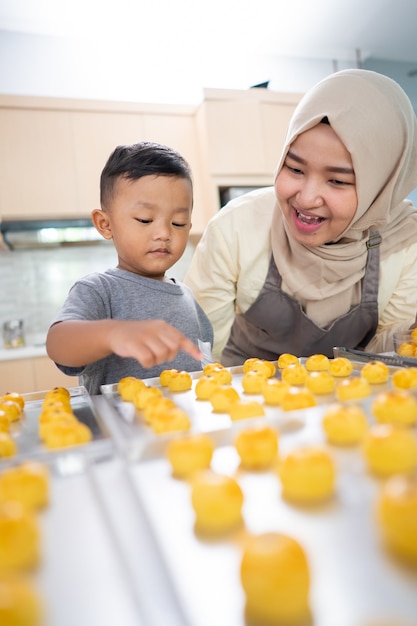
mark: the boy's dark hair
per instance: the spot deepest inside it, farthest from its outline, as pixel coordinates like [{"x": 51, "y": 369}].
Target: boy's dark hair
[{"x": 140, "y": 159}]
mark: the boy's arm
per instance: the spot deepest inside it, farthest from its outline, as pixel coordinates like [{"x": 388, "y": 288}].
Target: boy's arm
[{"x": 151, "y": 342}]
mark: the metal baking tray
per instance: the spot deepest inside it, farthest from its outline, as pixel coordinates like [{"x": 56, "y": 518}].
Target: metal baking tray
[
  {"x": 82, "y": 578},
  {"x": 355, "y": 582},
  {"x": 137, "y": 441},
  {"x": 65, "y": 460}
]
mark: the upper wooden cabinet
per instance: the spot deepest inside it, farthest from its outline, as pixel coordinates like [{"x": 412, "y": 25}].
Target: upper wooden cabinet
[
  {"x": 52, "y": 150},
  {"x": 245, "y": 131}
]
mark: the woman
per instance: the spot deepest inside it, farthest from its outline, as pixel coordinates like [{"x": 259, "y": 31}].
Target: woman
[{"x": 328, "y": 256}]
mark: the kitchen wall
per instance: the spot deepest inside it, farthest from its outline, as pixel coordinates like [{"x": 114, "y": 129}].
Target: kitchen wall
[{"x": 35, "y": 283}]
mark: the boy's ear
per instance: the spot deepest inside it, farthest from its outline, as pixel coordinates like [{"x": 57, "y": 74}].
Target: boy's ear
[{"x": 102, "y": 223}]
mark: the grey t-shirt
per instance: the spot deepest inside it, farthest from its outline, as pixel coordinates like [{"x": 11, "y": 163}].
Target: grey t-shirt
[{"x": 119, "y": 294}]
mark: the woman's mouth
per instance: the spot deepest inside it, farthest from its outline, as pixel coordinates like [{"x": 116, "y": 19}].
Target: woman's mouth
[{"x": 307, "y": 222}]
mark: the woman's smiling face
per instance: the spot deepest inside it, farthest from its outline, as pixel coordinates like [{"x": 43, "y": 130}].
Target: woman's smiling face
[{"x": 316, "y": 187}]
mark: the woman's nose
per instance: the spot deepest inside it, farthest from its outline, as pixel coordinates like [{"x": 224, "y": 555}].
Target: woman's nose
[{"x": 310, "y": 194}]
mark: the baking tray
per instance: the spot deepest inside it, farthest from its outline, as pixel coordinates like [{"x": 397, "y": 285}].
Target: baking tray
[
  {"x": 68, "y": 459},
  {"x": 82, "y": 578},
  {"x": 355, "y": 582},
  {"x": 136, "y": 440}
]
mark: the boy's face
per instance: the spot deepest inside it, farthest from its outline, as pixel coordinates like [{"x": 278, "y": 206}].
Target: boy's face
[{"x": 149, "y": 221}]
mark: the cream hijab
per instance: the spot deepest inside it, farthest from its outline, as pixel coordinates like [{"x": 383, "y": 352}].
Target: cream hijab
[{"x": 375, "y": 120}]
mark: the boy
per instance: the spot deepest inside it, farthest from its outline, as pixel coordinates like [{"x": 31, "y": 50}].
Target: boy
[{"x": 132, "y": 320}]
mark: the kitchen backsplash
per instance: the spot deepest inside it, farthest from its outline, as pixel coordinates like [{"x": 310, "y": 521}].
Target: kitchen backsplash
[{"x": 35, "y": 283}]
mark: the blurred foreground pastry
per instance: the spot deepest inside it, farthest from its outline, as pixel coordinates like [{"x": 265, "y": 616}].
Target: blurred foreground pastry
[
  {"x": 217, "y": 502},
  {"x": 390, "y": 449},
  {"x": 257, "y": 446},
  {"x": 189, "y": 454},
  {"x": 307, "y": 474},
  {"x": 28, "y": 483},
  {"x": 344, "y": 424},
  {"x": 396, "y": 406},
  {"x": 20, "y": 604},
  {"x": 19, "y": 538},
  {"x": 397, "y": 515},
  {"x": 275, "y": 577}
]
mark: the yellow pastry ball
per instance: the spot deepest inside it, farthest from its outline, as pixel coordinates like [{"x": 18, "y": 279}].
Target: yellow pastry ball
[
  {"x": 245, "y": 410},
  {"x": 11, "y": 409},
  {"x": 189, "y": 454},
  {"x": 8, "y": 445},
  {"x": 4, "y": 422},
  {"x": 298, "y": 398},
  {"x": 275, "y": 578},
  {"x": 286, "y": 359},
  {"x": 274, "y": 390},
  {"x": 407, "y": 350},
  {"x": 307, "y": 474},
  {"x": 20, "y": 604},
  {"x": 171, "y": 421},
  {"x": 155, "y": 406},
  {"x": 217, "y": 501},
  {"x": 354, "y": 388},
  {"x": 396, "y": 406},
  {"x": 180, "y": 381},
  {"x": 205, "y": 386},
  {"x": 15, "y": 397},
  {"x": 295, "y": 374},
  {"x": 19, "y": 538},
  {"x": 257, "y": 446},
  {"x": 66, "y": 433},
  {"x": 58, "y": 392},
  {"x": 259, "y": 365},
  {"x": 340, "y": 367},
  {"x": 27, "y": 483},
  {"x": 252, "y": 382},
  {"x": 390, "y": 449},
  {"x": 52, "y": 418},
  {"x": 223, "y": 397},
  {"x": 375, "y": 372},
  {"x": 128, "y": 386},
  {"x": 166, "y": 375},
  {"x": 209, "y": 367},
  {"x": 397, "y": 515},
  {"x": 317, "y": 363},
  {"x": 145, "y": 393},
  {"x": 405, "y": 378},
  {"x": 344, "y": 424},
  {"x": 320, "y": 382},
  {"x": 222, "y": 375}
]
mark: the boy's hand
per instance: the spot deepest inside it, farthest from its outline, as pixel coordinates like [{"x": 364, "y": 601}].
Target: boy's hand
[{"x": 150, "y": 342}]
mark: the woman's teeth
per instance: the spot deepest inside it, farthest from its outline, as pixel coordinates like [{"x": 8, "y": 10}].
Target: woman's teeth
[{"x": 308, "y": 219}]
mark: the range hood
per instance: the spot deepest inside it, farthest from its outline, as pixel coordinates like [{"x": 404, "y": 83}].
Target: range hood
[{"x": 48, "y": 232}]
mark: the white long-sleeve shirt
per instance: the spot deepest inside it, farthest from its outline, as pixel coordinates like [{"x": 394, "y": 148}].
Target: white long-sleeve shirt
[{"x": 231, "y": 261}]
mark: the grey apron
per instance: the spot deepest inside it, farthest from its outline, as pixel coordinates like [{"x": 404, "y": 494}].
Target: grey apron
[{"x": 275, "y": 323}]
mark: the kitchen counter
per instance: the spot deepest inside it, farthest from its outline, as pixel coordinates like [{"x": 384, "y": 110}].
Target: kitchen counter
[{"x": 26, "y": 352}]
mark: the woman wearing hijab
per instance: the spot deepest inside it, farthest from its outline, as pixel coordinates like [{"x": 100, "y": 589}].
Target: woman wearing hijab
[{"x": 328, "y": 256}]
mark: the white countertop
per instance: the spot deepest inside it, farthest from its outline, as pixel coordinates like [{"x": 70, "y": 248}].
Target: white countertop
[{"x": 26, "y": 352}]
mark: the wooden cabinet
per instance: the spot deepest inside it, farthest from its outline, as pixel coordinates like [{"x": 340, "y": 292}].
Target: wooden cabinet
[
  {"x": 37, "y": 173},
  {"x": 243, "y": 133},
  {"x": 34, "y": 374},
  {"x": 52, "y": 150}
]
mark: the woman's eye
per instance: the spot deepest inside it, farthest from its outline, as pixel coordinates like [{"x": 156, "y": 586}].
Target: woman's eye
[{"x": 294, "y": 170}]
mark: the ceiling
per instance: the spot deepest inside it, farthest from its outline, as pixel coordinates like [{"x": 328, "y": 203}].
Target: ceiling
[
  {"x": 330, "y": 29},
  {"x": 171, "y": 50}
]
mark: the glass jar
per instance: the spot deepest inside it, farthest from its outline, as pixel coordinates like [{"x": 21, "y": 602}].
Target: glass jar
[{"x": 13, "y": 335}]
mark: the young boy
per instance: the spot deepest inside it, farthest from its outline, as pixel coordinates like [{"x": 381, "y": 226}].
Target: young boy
[{"x": 132, "y": 320}]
